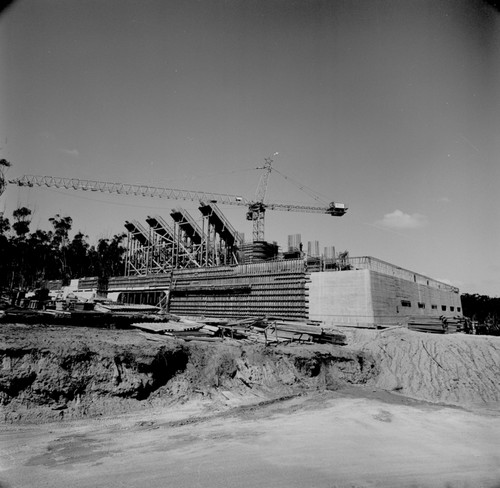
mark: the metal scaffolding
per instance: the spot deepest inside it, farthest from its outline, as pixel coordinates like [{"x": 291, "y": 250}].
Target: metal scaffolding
[{"x": 184, "y": 244}]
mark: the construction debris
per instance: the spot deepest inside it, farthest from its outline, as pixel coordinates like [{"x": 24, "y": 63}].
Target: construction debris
[
  {"x": 436, "y": 325},
  {"x": 270, "y": 330}
]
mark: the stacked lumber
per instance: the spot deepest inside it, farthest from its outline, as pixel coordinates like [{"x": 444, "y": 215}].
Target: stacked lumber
[
  {"x": 435, "y": 325},
  {"x": 274, "y": 330},
  {"x": 170, "y": 328},
  {"x": 181, "y": 328},
  {"x": 29, "y": 316},
  {"x": 266, "y": 330},
  {"x": 123, "y": 308}
]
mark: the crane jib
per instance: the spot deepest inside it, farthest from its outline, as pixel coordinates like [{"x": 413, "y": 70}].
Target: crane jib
[
  {"x": 256, "y": 209},
  {"x": 335, "y": 208}
]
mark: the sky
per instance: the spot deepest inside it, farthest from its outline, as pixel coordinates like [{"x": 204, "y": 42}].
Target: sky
[{"x": 389, "y": 106}]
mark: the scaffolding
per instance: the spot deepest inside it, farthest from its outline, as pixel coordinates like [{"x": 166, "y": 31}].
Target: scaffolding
[{"x": 182, "y": 244}]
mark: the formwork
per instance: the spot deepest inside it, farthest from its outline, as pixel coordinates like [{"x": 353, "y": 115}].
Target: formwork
[{"x": 276, "y": 288}]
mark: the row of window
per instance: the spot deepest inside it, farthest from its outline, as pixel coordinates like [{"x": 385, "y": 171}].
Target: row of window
[
  {"x": 407, "y": 303},
  {"x": 141, "y": 297}
]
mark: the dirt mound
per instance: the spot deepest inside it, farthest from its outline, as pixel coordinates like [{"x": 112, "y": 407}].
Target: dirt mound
[
  {"x": 456, "y": 369},
  {"x": 53, "y": 372},
  {"x": 72, "y": 372}
]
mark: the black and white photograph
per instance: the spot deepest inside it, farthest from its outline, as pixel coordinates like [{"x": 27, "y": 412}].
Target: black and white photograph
[{"x": 250, "y": 243}]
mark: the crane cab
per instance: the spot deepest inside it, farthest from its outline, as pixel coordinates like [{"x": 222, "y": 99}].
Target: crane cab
[{"x": 337, "y": 209}]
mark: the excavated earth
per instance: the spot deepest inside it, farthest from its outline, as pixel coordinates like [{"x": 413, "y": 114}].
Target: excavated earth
[
  {"x": 50, "y": 373},
  {"x": 89, "y": 407},
  {"x": 452, "y": 369}
]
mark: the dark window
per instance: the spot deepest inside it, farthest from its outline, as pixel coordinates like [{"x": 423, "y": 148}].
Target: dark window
[
  {"x": 452, "y": 309},
  {"x": 405, "y": 303},
  {"x": 459, "y": 309},
  {"x": 434, "y": 307},
  {"x": 141, "y": 298},
  {"x": 421, "y": 305},
  {"x": 443, "y": 308}
]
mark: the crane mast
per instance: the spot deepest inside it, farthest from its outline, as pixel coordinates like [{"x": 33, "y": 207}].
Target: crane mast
[{"x": 257, "y": 209}]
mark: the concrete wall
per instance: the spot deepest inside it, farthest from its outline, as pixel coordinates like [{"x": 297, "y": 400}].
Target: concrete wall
[
  {"x": 369, "y": 298},
  {"x": 342, "y": 297},
  {"x": 394, "y": 299}
]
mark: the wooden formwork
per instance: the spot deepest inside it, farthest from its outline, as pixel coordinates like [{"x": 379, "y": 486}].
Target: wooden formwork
[
  {"x": 276, "y": 288},
  {"x": 272, "y": 288}
]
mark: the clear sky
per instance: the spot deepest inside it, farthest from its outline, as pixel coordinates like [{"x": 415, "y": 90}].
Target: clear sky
[{"x": 391, "y": 106}]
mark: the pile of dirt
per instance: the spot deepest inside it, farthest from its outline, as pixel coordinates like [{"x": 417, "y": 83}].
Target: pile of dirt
[
  {"x": 51, "y": 372},
  {"x": 455, "y": 369}
]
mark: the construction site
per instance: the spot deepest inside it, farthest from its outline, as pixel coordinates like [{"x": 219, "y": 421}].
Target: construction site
[
  {"x": 244, "y": 344},
  {"x": 203, "y": 266},
  {"x": 207, "y": 271}
]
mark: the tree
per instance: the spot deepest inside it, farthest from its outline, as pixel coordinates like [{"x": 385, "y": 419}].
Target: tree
[
  {"x": 484, "y": 310},
  {"x": 28, "y": 259},
  {"x": 5, "y": 251},
  {"x": 60, "y": 238},
  {"x": 4, "y": 225},
  {"x": 42, "y": 261},
  {"x": 22, "y": 221},
  {"x": 79, "y": 257},
  {"x": 62, "y": 226},
  {"x": 110, "y": 261},
  {"x": 3, "y": 164},
  {"x": 110, "y": 254},
  {"x": 20, "y": 251}
]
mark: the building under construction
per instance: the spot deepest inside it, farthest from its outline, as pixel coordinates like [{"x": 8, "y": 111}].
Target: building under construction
[{"x": 204, "y": 268}]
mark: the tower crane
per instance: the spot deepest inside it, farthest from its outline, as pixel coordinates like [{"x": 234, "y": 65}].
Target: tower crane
[{"x": 256, "y": 208}]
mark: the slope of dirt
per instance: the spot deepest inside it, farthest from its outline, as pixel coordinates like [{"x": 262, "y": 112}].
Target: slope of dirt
[
  {"x": 455, "y": 369},
  {"x": 51, "y": 373}
]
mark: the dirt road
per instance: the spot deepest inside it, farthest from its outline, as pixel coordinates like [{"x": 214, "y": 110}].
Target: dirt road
[{"x": 350, "y": 438}]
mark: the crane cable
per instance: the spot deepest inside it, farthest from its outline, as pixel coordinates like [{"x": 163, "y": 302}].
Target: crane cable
[{"x": 308, "y": 191}]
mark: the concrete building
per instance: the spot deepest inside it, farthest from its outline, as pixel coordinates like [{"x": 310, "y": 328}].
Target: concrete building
[
  {"x": 376, "y": 293},
  {"x": 358, "y": 292}
]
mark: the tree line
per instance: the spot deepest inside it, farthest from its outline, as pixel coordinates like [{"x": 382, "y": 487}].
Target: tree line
[
  {"x": 30, "y": 258},
  {"x": 483, "y": 309}
]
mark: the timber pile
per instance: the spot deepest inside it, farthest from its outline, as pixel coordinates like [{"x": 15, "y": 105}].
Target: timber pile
[
  {"x": 182, "y": 328},
  {"x": 275, "y": 330},
  {"x": 436, "y": 325},
  {"x": 122, "y": 308},
  {"x": 266, "y": 330}
]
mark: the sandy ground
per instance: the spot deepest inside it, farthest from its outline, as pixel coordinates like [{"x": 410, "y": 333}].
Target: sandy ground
[
  {"x": 357, "y": 437},
  {"x": 413, "y": 410}
]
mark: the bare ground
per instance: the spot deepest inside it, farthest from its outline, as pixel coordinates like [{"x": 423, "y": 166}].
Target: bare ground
[
  {"x": 52, "y": 373},
  {"x": 454, "y": 369},
  {"x": 393, "y": 408}
]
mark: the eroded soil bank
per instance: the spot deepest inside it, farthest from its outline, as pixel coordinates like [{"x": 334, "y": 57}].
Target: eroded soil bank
[
  {"x": 393, "y": 408},
  {"x": 51, "y": 373}
]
